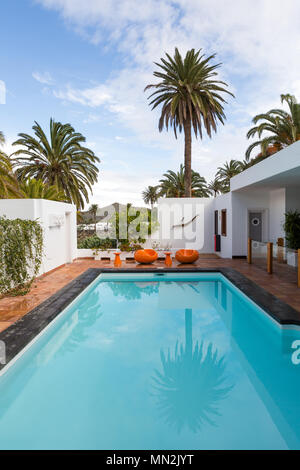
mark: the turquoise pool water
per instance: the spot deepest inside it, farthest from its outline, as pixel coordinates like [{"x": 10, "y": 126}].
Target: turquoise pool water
[{"x": 147, "y": 362}]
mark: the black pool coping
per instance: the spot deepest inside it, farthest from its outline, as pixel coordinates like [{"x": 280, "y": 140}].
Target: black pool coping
[{"x": 17, "y": 336}]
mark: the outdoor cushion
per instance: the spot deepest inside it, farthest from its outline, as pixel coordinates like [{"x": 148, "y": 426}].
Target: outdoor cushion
[
  {"x": 187, "y": 256},
  {"x": 145, "y": 256}
]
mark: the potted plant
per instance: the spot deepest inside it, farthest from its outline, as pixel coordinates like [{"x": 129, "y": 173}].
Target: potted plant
[
  {"x": 130, "y": 246},
  {"x": 161, "y": 248},
  {"x": 292, "y": 235}
]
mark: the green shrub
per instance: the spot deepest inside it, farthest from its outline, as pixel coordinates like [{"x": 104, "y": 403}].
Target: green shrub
[
  {"x": 21, "y": 251},
  {"x": 292, "y": 229},
  {"x": 131, "y": 245},
  {"x": 95, "y": 242}
]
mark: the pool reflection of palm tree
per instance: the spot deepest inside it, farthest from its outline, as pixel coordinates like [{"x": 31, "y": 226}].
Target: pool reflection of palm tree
[{"x": 192, "y": 383}]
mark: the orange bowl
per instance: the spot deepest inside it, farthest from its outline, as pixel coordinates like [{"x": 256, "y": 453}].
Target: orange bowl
[
  {"x": 187, "y": 256},
  {"x": 145, "y": 256}
]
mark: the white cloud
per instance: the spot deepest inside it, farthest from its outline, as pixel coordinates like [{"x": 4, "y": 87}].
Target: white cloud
[
  {"x": 8, "y": 148},
  {"x": 2, "y": 92},
  {"x": 258, "y": 43},
  {"x": 93, "y": 97},
  {"x": 91, "y": 118},
  {"x": 123, "y": 186},
  {"x": 45, "y": 78},
  {"x": 261, "y": 37}
]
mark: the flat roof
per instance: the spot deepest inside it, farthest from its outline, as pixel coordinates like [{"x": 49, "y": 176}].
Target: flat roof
[{"x": 279, "y": 170}]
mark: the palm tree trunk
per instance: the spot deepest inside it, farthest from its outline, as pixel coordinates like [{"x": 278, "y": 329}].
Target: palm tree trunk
[
  {"x": 188, "y": 332},
  {"x": 188, "y": 158}
]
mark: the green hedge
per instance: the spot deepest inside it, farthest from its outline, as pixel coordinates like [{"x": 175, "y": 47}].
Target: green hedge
[{"x": 96, "y": 242}]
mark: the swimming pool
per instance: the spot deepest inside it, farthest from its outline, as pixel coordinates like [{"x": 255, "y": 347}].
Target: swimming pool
[{"x": 147, "y": 361}]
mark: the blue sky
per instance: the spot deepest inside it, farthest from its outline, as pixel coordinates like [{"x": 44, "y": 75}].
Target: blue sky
[{"x": 87, "y": 62}]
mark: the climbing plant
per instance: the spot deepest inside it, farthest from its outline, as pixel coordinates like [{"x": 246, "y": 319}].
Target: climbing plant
[{"x": 21, "y": 251}]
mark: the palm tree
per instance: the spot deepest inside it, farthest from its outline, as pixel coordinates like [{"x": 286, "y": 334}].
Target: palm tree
[
  {"x": 93, "y": 211},
  {"x": 173, "y": 184},
  {"x": 283, "y": 128},
  {"x": 36, "y": 189},
  {"x": 191, "y": 384},
  {"x": 228, "y": 171},
  {"x": 150, "y": 195},
  {"x": 245, "y": 164},
  {"x": 61, "y": 161},
  {"x": 215, "y": 187},
  {"x": 8, "y": 182},
  {"x": 190, "y": 98}
]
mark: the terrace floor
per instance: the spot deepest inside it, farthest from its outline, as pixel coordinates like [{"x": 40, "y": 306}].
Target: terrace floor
[{"x": 282, "y": 284}]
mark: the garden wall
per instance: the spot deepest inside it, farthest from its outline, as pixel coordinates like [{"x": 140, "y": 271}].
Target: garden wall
[{"x": 58, "y": 220}]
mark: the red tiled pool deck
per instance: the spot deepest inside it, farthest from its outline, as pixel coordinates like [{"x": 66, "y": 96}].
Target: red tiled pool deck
[{"x": 282, "y": 284}]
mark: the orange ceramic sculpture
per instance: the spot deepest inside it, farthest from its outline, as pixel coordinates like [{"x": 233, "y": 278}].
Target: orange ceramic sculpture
[
  {"x": 168, "y": 260},
  {"x": 145, "y": 256},
  {"x": 187, "y": 256},
  {"x": 117, "y": 262}
]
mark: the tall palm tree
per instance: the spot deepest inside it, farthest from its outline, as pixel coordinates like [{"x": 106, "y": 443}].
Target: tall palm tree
[
  {"x": 62, "y": 161},
  {"x": 173, "y": 184},
  {"x": 2, "y": 138},
  {"x": 215, "y": 187},
  {"x": 190, "y": 97},
  {"x": 93, "y": 211},
  {"x": 150, "y": 195},
  {"x": 36, "y": 189},
  {"x": 192, "y": 383},
  {"x": 228, "y": 171},
  {"x": 283, "y": 128}
]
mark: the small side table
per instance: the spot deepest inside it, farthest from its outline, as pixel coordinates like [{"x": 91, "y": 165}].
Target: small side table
[
  {"x": 117, "y": 262},
  {"x": 168, "y": 260}
]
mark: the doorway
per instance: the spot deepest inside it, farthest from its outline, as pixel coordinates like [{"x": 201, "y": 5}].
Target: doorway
[{"x": 255, "y": 225}]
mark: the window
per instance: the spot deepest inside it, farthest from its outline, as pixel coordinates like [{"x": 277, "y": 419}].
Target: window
[
  {"x": 224, "y": 222},
  {"x": 216, "y": 223}
]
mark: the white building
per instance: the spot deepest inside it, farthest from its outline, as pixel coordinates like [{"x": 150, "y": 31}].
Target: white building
[{"x": 255, "y": 208}]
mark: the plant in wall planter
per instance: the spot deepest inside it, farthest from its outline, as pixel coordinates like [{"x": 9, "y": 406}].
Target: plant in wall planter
[
  {"x": 292, "y": 235},
  {"x": 100, "y": 253},
  {"x": 97, "y": 253}
]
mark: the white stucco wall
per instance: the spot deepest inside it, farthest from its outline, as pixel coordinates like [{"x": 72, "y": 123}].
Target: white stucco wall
[
  {"x": 58, "y": 220},
  {"x": 242, "y": 203},
  {"x": 292, "y": 198},
  {"x": 196, "y": 235},
  {"x": 277, "y": 206},
  {"x": 221, "y": 202}
]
